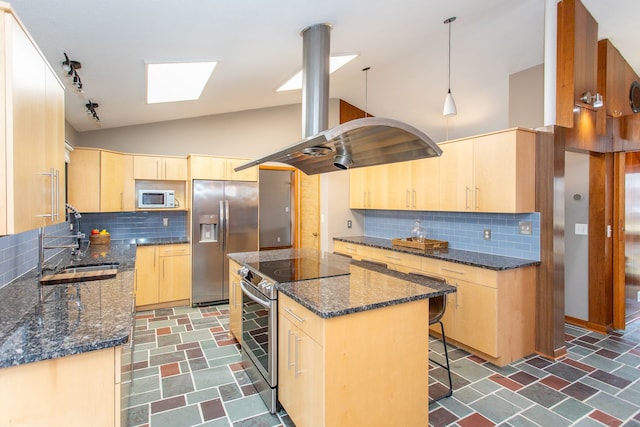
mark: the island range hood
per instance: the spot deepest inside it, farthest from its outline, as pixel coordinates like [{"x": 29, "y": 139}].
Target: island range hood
[{"x": 357, "y": 143}]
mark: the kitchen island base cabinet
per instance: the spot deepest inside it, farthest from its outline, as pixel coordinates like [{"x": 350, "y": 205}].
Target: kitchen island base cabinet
[
  {"x": 366, "y": 368},
  {"x": 78, "y": 390}
]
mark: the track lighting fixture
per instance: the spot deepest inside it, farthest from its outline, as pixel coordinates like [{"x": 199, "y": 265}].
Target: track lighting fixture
[
  {"x": 91, "y": 110},
  {"x": 70, "y": 66}
]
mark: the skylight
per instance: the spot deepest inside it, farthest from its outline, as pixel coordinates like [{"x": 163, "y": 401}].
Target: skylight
[
  {"x": 177, "y": 81},
  {"x": 335, "y": 62}
]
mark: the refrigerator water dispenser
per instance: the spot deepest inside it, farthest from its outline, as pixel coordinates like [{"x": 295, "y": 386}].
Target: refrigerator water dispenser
[{"x": 209, "y": 228}]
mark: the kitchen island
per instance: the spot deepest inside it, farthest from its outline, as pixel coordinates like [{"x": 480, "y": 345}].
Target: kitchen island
[{"x": 353, "y": 348}]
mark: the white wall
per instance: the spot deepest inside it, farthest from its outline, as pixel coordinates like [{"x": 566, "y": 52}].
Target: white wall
[
  {"x": 526, "y": 98},
  {"x": 576, "y": 258}
]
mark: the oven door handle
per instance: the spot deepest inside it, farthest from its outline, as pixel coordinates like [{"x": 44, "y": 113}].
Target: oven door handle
[{"x": 252, "y": 297}]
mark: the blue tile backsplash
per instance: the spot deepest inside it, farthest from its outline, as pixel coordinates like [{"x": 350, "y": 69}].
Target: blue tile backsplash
[
  {"x": 134, "y": 225},
  {"x": 463, "y": 230},
  {"x": 19, "y": 252}
]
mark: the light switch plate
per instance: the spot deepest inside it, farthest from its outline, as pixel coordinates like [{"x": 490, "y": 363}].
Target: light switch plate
[{"x": 581, "y": 229}]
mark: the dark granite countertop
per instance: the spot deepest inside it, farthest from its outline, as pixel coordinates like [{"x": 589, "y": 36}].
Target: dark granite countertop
[
  {"x": 475, "y": 259},
  {"x": 71, "y": 318},
  {"x": 367, "y": 287}
]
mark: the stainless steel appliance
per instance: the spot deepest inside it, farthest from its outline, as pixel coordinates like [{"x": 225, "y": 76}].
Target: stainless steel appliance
[
  {"x": 224, "y": 219},
  {"x": 260, "y": 316},
  {"x": 156, "y": 199}
]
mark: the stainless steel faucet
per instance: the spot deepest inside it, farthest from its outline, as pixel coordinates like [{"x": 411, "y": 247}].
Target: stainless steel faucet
[{"x": 42, "y": 246}]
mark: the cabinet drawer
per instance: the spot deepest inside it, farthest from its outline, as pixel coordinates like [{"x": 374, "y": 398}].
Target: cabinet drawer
[
  {"x": 304, "y": 319},
  {"x": 171, "y": 250},
  {"x": 347, "y": 249},
  {"x": 477, "y": 275}
]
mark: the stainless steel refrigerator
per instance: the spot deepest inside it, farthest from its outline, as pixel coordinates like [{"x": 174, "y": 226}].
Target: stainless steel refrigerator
[{"x": 224, "y": 219}]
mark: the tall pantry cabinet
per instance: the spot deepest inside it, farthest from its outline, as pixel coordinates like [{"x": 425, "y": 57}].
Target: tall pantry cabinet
[{"x": 32, "y": 137}]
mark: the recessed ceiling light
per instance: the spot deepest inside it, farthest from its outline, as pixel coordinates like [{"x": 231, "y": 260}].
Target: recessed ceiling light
[
  {"x": 335, "y": 62},
  {"x": 177, "y": 81}
]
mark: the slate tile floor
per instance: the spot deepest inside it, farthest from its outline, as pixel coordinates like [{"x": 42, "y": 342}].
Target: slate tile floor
[{"x": 186, "y": 373}]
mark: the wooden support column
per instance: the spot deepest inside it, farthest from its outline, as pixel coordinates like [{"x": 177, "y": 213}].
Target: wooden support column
[{"x": 550, "y": 149}]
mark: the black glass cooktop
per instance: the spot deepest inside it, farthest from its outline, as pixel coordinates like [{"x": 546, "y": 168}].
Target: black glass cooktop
[{"x": 289, "y": 270}]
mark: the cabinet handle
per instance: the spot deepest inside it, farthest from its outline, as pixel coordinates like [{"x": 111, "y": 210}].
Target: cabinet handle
[
  {"x": 52, "y": 175},
  {"x": 57, "y": 194},
  {"x": 158, "y": 169},
  {"x": 173, "y": 251},
  {"x": 466, "y": 197},
  {"x": 297, "y": 358},
  {"x": 289, "y": 364},
  {"x": 295, "y": 316},
  {"x": 476, "y": 197},
  {"x": 350, "y": 249},
  {"x": 406, "y": 200},
  {"x": 413, "y": 199},
  {"x": 452, "y": 271},
  {"x": 397, "y": 258}
]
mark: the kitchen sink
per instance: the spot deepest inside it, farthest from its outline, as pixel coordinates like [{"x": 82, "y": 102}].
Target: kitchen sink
[
  {"x": 81, "y": 273},
  {"x": 89, "y": 268}
]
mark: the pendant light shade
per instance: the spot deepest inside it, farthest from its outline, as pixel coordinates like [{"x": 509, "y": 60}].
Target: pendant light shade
[{"x": 449, "y": 104}]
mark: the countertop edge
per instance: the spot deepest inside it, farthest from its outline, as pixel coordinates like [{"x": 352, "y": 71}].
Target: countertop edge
[{"x": 510, "y": 263}]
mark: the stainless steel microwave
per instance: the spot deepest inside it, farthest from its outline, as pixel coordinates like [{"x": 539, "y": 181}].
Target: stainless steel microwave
[{"x": 154, "y": 199}]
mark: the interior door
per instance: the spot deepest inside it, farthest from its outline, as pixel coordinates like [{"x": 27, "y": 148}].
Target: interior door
[{"x": 308, "y": 201}]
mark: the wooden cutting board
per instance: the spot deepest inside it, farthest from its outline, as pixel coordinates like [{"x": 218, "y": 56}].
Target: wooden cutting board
[{"x": 85, "y": 276}]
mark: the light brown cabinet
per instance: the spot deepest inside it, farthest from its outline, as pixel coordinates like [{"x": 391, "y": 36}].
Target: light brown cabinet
[
  {"x": 66, "y": 391},
  {"x": 159, "y": 168},
  {"x": 101, "y": 181},
  {"x": 221, "y": 168},
  {"x": 32, "y": 154},
  {"x": 489, "y": 173},
  {"x": 163, "y": 275},
  {"x": 369, "y": 187},
  {"x": 332, "y": 372},
  {"x": 235, "y": 301}
]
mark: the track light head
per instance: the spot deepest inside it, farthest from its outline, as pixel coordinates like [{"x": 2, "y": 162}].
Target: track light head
[{"x": 70, "y": 66}]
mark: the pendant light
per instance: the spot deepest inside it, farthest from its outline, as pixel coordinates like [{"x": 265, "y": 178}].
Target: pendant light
[{"x": 449, "y": 103}]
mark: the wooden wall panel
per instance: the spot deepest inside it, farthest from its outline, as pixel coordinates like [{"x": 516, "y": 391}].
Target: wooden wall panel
[
  {"x": 600, "y": 243},
  {"x": 550, "y": 150}
]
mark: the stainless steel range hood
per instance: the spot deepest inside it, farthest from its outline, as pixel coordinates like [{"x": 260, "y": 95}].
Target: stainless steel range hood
[{"x": 362, "y": 142}]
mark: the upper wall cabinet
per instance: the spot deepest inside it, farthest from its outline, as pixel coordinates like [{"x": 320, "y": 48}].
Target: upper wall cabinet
[
  {"x": 489, "y": 173},
  {"x": 577, "y": 58},
  {"x": 159, "y": 167},
  {"x": 101, "y": 181},
  {"x": 32, "y": 154},
  {"x": 222, "y": 168}
]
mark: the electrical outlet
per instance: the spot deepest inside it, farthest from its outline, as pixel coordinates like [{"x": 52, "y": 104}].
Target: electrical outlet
[
  {"x": 487, "y": 234},
  {"x": 638, "y": 297},
  {"x": 349, "y": 223},
  {"x": 165, "y": 222},
  {"x": 524, "y": 227}
]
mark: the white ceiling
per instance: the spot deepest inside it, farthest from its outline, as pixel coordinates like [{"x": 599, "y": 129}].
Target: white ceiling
[{"x": 258, "y": 46}]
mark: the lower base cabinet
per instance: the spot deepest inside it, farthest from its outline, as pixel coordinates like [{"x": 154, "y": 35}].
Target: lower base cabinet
[
  {"x": 78, "y": 390},
  {"x": 492, "y": 313},
  {"x": 361, "y": 369},
  {"x": 235, "y": 301},
  {"x": 163, "y": 275}
]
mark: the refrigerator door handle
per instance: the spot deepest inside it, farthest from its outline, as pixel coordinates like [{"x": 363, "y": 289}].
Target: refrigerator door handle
[
  {"x": 223, "y": 226},
  {"x": 226, "y": 224}
]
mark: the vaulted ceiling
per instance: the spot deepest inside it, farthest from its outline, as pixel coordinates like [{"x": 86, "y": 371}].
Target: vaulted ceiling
[{"x": 258, "y": 46}]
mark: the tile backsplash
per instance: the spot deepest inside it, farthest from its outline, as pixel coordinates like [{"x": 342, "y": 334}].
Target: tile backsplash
[
  {"x": 134, "y": 225},
  {"x": 463, "y": 230}
]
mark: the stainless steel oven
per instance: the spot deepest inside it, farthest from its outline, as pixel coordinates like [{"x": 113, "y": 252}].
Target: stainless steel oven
[
  {"x": 260, "y": 334},
  {"x": 260, "y": 314}
]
